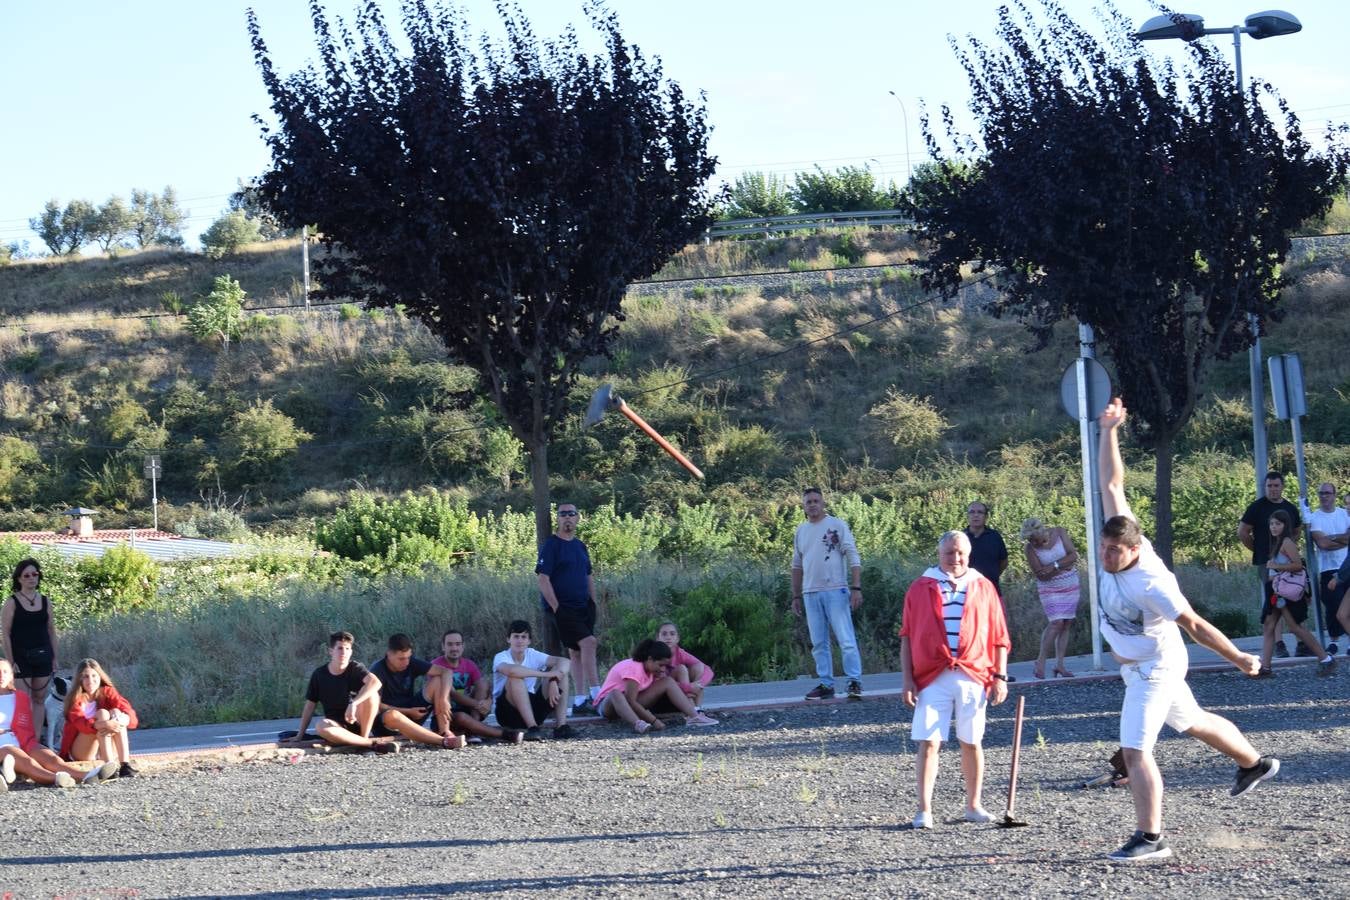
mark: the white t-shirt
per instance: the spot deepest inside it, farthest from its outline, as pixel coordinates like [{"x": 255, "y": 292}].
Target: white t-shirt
[
  {"x": 1331, "y": 524},
  {"x": 825, "y": 552},
  {"x": 1139, "y": 608},
  {"x": 534, "y": 659}
]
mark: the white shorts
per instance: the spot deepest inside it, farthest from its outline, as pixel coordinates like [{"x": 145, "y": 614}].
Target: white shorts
[
  {"x": 1156, "y": 693},
  {"x": 952, "y": 691}
]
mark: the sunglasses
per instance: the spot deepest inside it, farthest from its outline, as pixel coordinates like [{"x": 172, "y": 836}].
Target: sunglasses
[{"x": 567, "y": 512}]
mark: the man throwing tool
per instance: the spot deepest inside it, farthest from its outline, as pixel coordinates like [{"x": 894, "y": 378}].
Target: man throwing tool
[{"x": 1141, "y": 607}]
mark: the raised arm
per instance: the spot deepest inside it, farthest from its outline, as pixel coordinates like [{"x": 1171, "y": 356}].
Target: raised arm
[{"x": 1109, "y": 464}]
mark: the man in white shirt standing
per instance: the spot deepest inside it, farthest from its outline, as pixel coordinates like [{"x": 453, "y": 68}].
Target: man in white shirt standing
[
  {"x": 1329, "y": 526},
  {"x": 1141, "y": 607},
  {"x": 827, "y": 580}
]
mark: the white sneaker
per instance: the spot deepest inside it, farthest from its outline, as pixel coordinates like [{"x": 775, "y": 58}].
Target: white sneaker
[
  {"x": 641, "y": 727},
  {"x": 923, "y": 820},
  {"x": 7, "y": 769},
  {"x": 700, "y": 719},
  {"x": 979, "y": 815},
  {"x": 63, "y": 780}
]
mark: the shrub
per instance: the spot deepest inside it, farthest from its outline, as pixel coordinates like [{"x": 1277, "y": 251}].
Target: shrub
[
  {"x": 228, "y": 233},
  {"x": 20, "y": 465},
  {"x": 503, "y": 456},
  {"x": 738, "y": 629},
  {"x": 910, "y": 423},
  {"x": 215, "y": 525},
  {"x": 372, "y": 527},
  {"x": 348, "y": 311},
  {"x": 121, "y": 580},
  {"x": 220, "y": 314},
  {"x": 258, "y": 438}
]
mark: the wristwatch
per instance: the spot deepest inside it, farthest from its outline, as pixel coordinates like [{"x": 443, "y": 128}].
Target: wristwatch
[
  {"x": 1056, "y": 565},
  {"x": 1000, "y": 676}
]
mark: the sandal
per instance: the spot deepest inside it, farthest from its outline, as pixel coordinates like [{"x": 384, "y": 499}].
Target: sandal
[
  {"x": 1062, "y": 673},
  {"x": 1038, "y": 674}
]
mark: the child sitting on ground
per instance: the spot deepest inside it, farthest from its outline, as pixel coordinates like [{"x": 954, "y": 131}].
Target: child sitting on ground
[
  {"x": 97, "y": 720},
  {"x": 691, "y": 674},
  {"x": 634, "y": 685}
]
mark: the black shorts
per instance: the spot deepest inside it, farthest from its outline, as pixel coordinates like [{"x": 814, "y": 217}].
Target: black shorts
[
  {"x": 509, "y": 717},
  {"x": 574, "y": 624},
  {"x": 379, "y": 729},
  {"x": 1298, "y": 609},
  {"x": 35, "y": 662}
]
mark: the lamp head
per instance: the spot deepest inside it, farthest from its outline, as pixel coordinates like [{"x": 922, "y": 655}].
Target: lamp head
[
  {"x": 1272, "y": 23},
  {"x": 1174, "y": 26}
]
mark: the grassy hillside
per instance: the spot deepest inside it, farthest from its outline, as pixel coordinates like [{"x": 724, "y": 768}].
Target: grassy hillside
[{"x": 921, "y": 398}]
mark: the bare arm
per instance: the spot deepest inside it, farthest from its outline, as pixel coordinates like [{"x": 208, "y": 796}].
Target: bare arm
[
  {"x": 546, "y": 589},
  {"x": 796, "y": 592},
  {"x": 908, "y": 689},
  {"x": 51, "y": 632},
  {"x": 7, "y": 623},
  {"x": 1289, "y": 549},
  {"x": 1109, "y": 463},
  {"x": 1244, "y": 533},
  {"x": 1207, "y": 635},
  {"x": 1070, "y": 558},
  {"x": 369, "y": 688},
  {"x": 305, "y": 715}
]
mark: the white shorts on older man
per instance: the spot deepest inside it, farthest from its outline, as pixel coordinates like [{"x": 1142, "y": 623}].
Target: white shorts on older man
[{"x": 951, "y": 693}]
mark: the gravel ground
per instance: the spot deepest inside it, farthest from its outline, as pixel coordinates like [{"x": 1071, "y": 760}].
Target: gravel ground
[{"x": 785, "y": 802}]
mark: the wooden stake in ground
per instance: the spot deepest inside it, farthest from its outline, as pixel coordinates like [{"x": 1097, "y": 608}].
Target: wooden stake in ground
[{"x": 1008, "y": 820}]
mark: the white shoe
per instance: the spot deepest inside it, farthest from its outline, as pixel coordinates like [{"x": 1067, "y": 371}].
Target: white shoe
[
  {"x": 63, "y": 780},
  {"x": 923, "y": 820},
  {"x": 641, "y": 727},
  {"x": 99, "y": 773},
  {"x": 7, "y": 769},
  {"x": 979, "y": 815},
  {"x": 700, "y": 719}
]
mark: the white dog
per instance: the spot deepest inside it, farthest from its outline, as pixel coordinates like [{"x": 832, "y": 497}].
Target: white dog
[{"x": 55, "y": 705}]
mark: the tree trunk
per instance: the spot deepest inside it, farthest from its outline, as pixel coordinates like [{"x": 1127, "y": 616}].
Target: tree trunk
[
  {"x": 543, "y": 514},
  {"x": 1162, "y": 501}
]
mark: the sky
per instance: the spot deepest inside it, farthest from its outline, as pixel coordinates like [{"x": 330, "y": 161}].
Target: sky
[{"x": 102, "y": 98}]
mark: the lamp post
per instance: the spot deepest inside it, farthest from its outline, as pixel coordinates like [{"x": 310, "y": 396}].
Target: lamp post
[
  {"x": 904, "y": 117},
  {"x": 1186, "y": 27}
]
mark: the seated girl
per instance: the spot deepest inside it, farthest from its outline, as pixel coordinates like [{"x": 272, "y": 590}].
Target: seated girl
[
  {"x": 97, "y": 720},
  {"x": 20, "y": 752},
  {"x": 691, "y": 674},
  {"x": 632, "y": 686}
]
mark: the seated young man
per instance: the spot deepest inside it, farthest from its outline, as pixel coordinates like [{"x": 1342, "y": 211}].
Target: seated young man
[
  {"x": 527, "y": 685},
  {"x": 458, "y": 694},
  {"x": 402, "y": 709},
  {"x": 349, "y": 697}
]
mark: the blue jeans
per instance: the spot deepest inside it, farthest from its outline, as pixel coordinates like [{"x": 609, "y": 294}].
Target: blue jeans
[{"x": 828, "y": 611}]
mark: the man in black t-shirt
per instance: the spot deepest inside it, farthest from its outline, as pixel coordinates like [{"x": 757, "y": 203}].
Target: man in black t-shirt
[
  {"x": 349, "y": 697},
  {"x": 403, "y": 708},
  {"x": 1254, "y": 532}
]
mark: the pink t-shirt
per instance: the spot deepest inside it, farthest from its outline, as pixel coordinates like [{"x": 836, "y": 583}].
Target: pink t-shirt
[
  {"x": 628, "y": 670},
  {"x": 682, "y": 657}
]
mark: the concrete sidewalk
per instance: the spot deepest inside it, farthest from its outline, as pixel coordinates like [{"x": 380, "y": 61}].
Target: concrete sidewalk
[{"x": 163, "y": 743}]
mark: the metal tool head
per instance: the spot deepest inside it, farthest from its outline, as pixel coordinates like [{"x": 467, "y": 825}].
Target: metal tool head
[
  {"x": 1010, "y": 822},
  {"x": 603, "y": 400}
]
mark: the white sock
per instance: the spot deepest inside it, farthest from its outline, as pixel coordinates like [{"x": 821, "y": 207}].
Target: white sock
[
  {"x": 1328, "y": 658},
  {"x": 578, "y": 699},
  {"x": 595, "y": 693}
]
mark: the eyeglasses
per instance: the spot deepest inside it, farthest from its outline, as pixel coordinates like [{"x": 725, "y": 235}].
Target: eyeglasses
[
  {"x": 1326, "y": 493},
  {"x": 567, "y": 512}
]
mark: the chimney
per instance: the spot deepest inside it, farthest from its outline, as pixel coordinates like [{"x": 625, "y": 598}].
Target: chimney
[{"x": 81, "y": 521}]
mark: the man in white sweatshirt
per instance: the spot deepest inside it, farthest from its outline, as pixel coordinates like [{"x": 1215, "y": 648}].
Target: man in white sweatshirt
[{"x": 827, "y": 581}]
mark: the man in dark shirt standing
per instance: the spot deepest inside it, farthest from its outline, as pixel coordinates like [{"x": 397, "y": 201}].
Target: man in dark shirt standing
[
  {"x": 988, "y": 553},
  {"x": 349, "y": 697},
  {"x": 1254, "y": 532},
  {"x": 567, "y": 594},
  {"x": 403, "y": 708}
]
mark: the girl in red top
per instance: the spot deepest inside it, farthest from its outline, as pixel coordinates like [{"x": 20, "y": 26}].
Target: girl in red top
[
  {"x": 20, "y": 752},
  {"x": 97, "y": 720}
]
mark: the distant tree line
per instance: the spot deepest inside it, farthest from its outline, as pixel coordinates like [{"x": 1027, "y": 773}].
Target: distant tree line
[
  {"x": 148, "y": 220},
  {"x": 757, "y": 195}
]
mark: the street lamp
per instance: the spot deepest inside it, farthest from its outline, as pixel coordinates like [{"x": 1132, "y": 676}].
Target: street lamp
[
  {"x": 1186, "y": 27},
  {"x": 904, "y": 117}
]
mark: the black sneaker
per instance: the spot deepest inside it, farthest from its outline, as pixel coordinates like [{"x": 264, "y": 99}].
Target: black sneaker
[
  {"x": 1281, "y": 651},
  {"x": 126, "y": 771},
  {"x": 854, "y": 690},
  {"x": 1302, "y": 650},
  {"x": 821, "y": 692},
  {"x": 563, "y": 732},
  {"x": 584, "y": 710},
  {"x": 1138, "y": 849},
  {"x": 534, "y": 734},
  {"x": 1247, "y": 779},
  {"x": 1332, "y": 648},
  {"x": 386, "y": 747}
]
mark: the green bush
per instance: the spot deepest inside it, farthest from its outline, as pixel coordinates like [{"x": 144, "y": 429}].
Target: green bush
[
  {"x": 348, "y": 311},
  {"x": 20, "y": 466},
  {"x": 229, "y": 233},
  {"x": 215, "y": 525},
  {"x": 121, "y": 580},
  {"x": 369, "y": 526},
  {"x": 258, "y": 438},
  {"x": 910, "y": 423},
  {"x": 220, "y": 315},
  {"x": 738, "y": 629}
]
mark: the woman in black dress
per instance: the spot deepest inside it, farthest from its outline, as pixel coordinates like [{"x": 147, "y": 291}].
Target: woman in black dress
[{"x": 30, "y": 637}]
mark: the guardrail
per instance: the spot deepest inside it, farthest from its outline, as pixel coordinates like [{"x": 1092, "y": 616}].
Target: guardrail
[{"x": 804, "y": 222}]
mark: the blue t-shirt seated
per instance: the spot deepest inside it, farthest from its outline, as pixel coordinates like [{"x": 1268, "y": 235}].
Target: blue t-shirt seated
[{"x": 568, "y": 567}]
